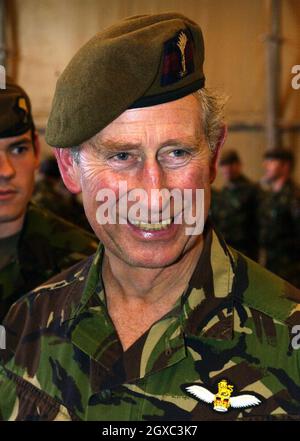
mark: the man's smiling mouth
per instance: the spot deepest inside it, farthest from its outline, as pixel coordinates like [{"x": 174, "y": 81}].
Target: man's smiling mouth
[{"x": 163, "y": 225}]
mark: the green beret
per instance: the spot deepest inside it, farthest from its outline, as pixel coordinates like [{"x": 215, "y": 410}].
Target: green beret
[
  {"x": 140, "y": 61},
  {"x": 279, "y": 153},
  {"x": 229, "y": 157},
  {"x": 15, "y": 111}
]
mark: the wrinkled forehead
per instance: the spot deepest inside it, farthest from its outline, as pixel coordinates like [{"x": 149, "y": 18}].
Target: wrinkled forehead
[{"x": 176, "y": 119}]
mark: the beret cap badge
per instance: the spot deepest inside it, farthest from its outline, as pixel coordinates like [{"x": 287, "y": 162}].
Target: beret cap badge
[
  {"x": 182, "y": 41},
  {"x": 22, "y": 104},
  {"x": 178, "y": 58}
]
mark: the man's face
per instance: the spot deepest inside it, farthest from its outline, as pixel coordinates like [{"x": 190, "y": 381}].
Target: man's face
[
  {"x": 159, "y": 147},
  {"x": 18, "y": 162},
  {"x": 274, "y": 169},
  {"x": 230, "y": 172}
]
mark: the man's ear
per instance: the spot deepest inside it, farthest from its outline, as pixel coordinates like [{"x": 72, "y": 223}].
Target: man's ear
[
  {"x": 216, "y": 154},
  {"x": 69, "y": 170}
]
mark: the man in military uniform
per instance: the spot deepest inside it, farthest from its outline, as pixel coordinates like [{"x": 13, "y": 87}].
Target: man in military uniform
[
  {"x": 51, "y": 193},
  {"x": 234, "y": 207},
  {"x": 280, "y": 216},
  {"x": 34, "y": 244},
  {"x": 162, "y": 324}
]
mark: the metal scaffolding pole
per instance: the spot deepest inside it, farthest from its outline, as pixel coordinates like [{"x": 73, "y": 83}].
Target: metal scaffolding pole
[
  {"x": 2, "y": 34},
  {"x": 273, "y": 133}
]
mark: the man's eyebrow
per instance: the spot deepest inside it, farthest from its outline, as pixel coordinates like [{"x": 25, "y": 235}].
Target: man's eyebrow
[
  {"x": 117, "y": 146},
  {"x": 188, "y": 141},
  {"x": 20, "y": 142}
]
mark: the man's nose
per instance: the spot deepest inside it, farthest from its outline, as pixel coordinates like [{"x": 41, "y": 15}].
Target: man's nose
[
  {"x": 154, "y": 178},
  {"x": 7, "y": 170}
]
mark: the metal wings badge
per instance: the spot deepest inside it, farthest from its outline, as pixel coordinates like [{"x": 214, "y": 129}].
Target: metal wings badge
[{"x": 222, "y": 400}]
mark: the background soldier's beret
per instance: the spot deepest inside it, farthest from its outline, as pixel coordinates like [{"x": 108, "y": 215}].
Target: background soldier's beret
[
  {"x": 281, "y": 154},
  {"x": 15, "y": 111},
  {"x": 141, "y": 61},
  {"x": 229, "y": 157}
]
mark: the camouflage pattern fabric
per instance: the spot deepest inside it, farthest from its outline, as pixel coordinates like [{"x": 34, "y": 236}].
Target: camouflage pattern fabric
[
  {"x": 234, "y": 213},
  {"x": 52, "y": 195},
  {"x": 279, "y": 217},
  {"x": 47, "y": 246},
  {"x": 64, "y": 360}
]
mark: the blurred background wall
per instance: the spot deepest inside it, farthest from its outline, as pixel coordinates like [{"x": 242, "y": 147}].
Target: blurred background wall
[{"x": 43, "y": 35}]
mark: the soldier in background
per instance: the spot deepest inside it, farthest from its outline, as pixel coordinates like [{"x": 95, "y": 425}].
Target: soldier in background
[
  {"x": 34, "y": 244},
  {"x": 234, "y": 207},
  {"x": 51, "y": 193},
  {"x": 279, "y": 217}
]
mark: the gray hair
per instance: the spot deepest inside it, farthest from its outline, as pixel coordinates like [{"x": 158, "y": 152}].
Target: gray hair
[
  {"x": 75, "y": 153},
  {"x": 212, "y": 110}
]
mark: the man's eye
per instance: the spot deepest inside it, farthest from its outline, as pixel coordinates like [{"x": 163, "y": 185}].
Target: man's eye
[
  {"x": 174, "y": 158},
  {"x": 18, "y": 150},
  {"x": 122, "y": 156},
  {"x": 123, "y": 160},
  {"x": 178, "y": 153}
]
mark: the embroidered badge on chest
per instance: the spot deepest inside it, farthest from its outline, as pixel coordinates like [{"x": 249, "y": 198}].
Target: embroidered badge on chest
[
  {"x": 178, "y": 58},
  {"x": 223, "y": 400}
]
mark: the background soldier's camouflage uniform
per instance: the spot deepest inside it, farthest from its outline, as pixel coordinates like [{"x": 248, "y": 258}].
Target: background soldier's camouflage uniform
[
  {"x": 234, "y": 213},
  {"x": 51, "y": 193},
  {"x": 47, "y": 245},
  {"x": 64, "y": 359},
  {"x": 280, "y": 231}
]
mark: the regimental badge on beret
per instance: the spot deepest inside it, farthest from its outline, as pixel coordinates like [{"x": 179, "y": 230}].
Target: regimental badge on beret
[
  {"x": 178, "y": 60},
  {"x": 22, "y": 104}
]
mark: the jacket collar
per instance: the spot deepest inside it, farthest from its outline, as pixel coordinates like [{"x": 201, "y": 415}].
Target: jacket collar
[{"x": 205, "y": 310}]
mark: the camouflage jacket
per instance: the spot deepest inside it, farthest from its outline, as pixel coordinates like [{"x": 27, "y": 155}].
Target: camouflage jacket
[
  {"x": 47, "y": 246},
  {"x": 234, "y": 213},
  {"x": 279, "y": 219},
  {"x": 64, "y": 360},
  {"x": 52, "y": 195}
]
